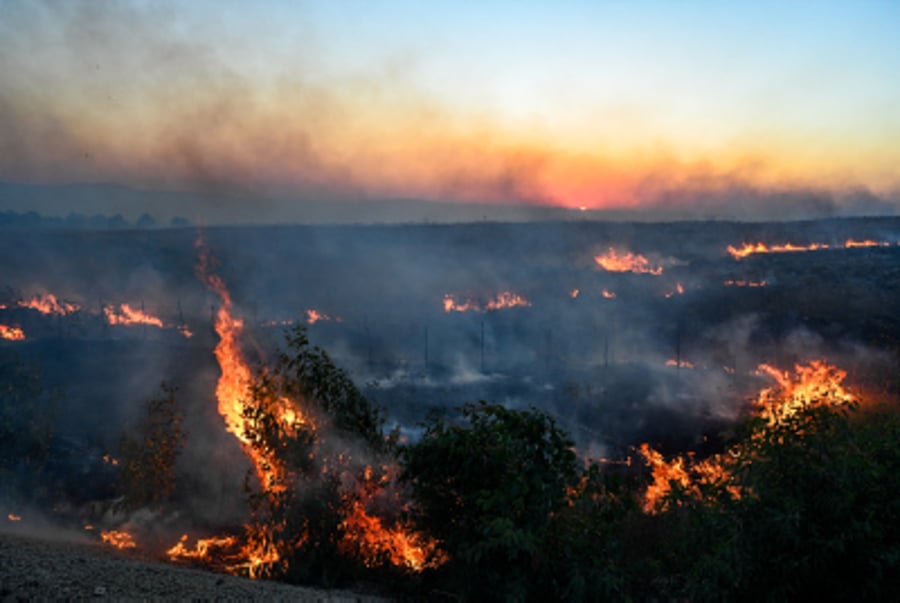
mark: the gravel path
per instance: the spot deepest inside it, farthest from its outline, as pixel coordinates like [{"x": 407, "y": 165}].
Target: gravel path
[{"x": 38, "y": 569}]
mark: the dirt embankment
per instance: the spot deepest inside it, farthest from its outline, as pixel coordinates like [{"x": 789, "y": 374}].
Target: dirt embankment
[{"x": 34, "y": 568}]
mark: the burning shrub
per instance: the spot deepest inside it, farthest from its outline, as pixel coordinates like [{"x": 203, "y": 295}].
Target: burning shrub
[
  {"x": 149, "y": 454},
  {"x": 317, "y": 438}
]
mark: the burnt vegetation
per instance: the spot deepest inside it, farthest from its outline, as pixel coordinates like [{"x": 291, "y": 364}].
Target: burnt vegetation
[{"x": 478, "y": 454}]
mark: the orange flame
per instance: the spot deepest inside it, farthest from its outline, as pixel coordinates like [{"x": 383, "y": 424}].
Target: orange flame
[
  {"x": 14, "y": 517},
  {"x": 608, "y": 294},
  {"x": 613, "y": 261},
  {"x": 679, "y": 290},
  {"x": 367, "y": 536},
  {"x": 49, "y": 304},
  {"x": 748, "y": 249},
  {"x": 685, "y": 473},
  {"x": 126, "y": 315},
  {"x": 503, "y": 301},
  {"x": 12, "y": 333},
  {"x": 118, "y": 539},
  {"x": 815, "y": 383},
  {"x": 202, "y": 548},
  {"x": 574, "y": 293}
]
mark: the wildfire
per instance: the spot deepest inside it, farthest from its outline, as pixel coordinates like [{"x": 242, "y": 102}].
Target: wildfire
[
  {"x": 13, "y": 517},
  {"x": 313, "y": 316},
  {"x": 119, "y": 539},
  {"x": 744, "y": 283},
  {"x": 373, "y": 542},
  {"x": 202, "y": 548},
  {"x": 126, "y": 315},
  {"x": 680, "y": 364},
  {"x": 613, "y": 261},
  {"x": 608, "y": 294},
  {"x": 49, "y": 304},
  {"x": 503, "y": 301},
  {"x": 815, "y": 383},
  {"x": 748, "y": 249},
  {"x": 11, "y": 333},
  {"x": 574, "y": 293},
  {"x": 684, "y": 473}
]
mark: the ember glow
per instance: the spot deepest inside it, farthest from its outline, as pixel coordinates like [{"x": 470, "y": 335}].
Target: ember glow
[
  {"x": 607, "y": 294},
  {"x": 128, "y": 316},
  {"x": 679, "y": 290},
  {"x": 503, "y": 301},
  {"x": 574, "y": 293},
  {"x": 14, "y": 517},
  {"x": 313, "y": 316},
  {"x": 118, "y": 539},
  {"x": 615, "y": 261},
  {"x": 744, "y": 283},
  {"x": 11, "y": 333},
  {"x": 49, "y": 304},
  {"x": 679, "y": 364}
]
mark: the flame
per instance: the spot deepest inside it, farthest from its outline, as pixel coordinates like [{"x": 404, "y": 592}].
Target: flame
[
  {"x": 685, "y": 473},
  {"x": 744, "y": 283},
  {"x": 679, "y": 290},
  {"x": 851, "y": 244},
  {"x": 126, "y": 315},
  {"x": 118, "y": 539},
  {"x": 612, "y": 261},
  {"x": 507, "y": 299},
  {"x": 110, "y": 459},
  {"x": 681, "y": 364},
  {"x": 313, "y": 316},
  {"x": 49, "y": 304},
  {"x": 574, "y": 293},
  {"x": 14, "y": 517},
  {"x": 502, "y": 301},
  {"x": 201, "y": 549},
  {"x": 815, "y": 383},
  {"x": 367, "y": 536},
  {"x": 11, "y": 333},
  {"x": 748, "y": 249},
  {"x": 184, "y": 330},
  {"x": 608, "y": 294}
]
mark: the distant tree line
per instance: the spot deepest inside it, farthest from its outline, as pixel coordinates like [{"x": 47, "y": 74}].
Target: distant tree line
[{"x": 78, "y": 221}]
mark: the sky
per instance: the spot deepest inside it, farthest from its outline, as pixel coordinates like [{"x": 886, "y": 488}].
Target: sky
[{"x": 666, "y": 107}]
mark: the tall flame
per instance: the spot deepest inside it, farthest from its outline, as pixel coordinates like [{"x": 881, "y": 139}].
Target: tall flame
[
  {"x": 814, "y": 383},
  {"x": 613, "y": 261}
]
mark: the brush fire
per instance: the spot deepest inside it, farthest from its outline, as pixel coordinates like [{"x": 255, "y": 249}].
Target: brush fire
[
  {"x": 617, "y": 261},
  {"x": 281, "y": 467}
]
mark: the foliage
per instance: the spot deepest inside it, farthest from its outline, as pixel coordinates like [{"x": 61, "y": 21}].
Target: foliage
[
  {"x": 26, "y": 431},
  {"x": 313, "y": 460},
  {"x": 149, "y": 453},
  {"x": 487, "y": 489}
]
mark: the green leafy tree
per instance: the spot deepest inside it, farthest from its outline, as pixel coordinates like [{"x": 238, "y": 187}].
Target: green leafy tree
[
  {"x": 487, "y": 489},
  {"x": 149, "y": 453}
]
